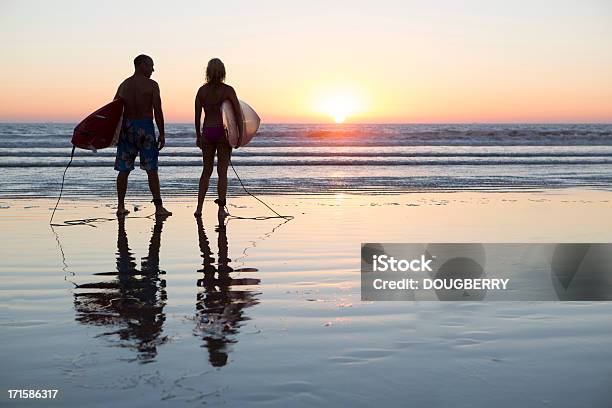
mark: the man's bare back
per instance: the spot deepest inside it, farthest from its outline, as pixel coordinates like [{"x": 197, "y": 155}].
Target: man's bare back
[
  {"x": 138, "y": 93},
  {"x": 142, "y": 97}
]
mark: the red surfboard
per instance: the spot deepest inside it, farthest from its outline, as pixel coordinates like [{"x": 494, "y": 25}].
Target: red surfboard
[{"x": 100, "y": 129}]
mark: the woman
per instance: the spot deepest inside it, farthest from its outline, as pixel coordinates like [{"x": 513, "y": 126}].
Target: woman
[{"x": 212, "y": 136}]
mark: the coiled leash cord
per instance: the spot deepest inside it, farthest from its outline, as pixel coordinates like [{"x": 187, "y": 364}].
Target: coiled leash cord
[{"x": 222, "y": 203}]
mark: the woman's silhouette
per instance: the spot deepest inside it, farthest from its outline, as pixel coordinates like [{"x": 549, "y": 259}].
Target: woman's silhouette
[{"x": 211, "y": 137}]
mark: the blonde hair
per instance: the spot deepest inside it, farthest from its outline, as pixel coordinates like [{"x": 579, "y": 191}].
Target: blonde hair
[{"x": 215, "y": 71}]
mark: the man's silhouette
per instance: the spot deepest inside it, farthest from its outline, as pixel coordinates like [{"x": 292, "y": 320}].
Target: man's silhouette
[{"x": 142, "y": 102}]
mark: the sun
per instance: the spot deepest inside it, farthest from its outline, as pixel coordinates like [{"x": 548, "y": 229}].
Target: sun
[
  {"x": 338, "y": 105},
  {"x": 339, "y": 118}
]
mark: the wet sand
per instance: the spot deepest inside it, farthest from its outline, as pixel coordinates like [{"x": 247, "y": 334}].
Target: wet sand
[{"x": 180, "y": 313}]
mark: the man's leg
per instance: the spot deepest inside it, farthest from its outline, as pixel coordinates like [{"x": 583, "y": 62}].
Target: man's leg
[
  {"x": 122, "y": 183},
  {"x": 124, "y": 164},
  {"x": 154, "y": 187},
  {"x": 149, "y": 156}
]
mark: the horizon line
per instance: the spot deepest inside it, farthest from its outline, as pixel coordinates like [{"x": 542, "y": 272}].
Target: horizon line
[{"x": 350, "y": 123}]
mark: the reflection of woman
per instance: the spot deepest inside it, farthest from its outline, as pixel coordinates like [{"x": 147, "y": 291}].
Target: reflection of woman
[
  {"x": 211, "y": 137},
  {"x": 220, "y": 305}
]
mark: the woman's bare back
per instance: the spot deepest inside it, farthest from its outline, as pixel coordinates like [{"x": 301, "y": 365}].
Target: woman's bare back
[{"x": 211, "y": 97}]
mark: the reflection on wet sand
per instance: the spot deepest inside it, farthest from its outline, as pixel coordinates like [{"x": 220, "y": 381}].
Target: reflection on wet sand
[
  {"x": 132, "y": 304},
  {"x": 220, "y": 305}
]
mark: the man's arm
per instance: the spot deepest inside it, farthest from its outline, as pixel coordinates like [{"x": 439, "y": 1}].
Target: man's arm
[
  {"x": 118, "y": 93},
  {"x": 159, "y": 116},
  {"x": 198, "y": 118}
]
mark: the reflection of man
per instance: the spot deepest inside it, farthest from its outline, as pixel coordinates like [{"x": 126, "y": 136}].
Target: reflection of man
[
  {"x": 142, "y": 100},
  {"x": 220, "y": 306},
  {"x": 133, "y": 303}
]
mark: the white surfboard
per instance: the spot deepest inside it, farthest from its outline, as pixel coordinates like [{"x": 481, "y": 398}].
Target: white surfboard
[{"x": 251, "y": 123}]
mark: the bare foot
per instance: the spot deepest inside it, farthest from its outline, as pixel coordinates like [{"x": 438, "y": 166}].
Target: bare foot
[
  {"x": 222, "y": 213},
  {"x": 122, "y": 212},
  {"x": 162, "y": 211}
]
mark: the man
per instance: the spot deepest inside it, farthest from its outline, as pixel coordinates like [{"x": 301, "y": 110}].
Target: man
[{"x": 142, "y": 102}]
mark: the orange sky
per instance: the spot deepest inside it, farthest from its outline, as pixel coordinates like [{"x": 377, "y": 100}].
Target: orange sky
[{"x": 392, "y": 62}]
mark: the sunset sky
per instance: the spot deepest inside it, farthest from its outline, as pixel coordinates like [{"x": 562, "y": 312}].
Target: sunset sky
[{"x": 317, "y": 61}]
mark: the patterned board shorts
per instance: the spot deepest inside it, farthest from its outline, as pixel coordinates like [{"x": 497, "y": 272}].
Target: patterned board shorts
[{"x": 137, "y": 137}]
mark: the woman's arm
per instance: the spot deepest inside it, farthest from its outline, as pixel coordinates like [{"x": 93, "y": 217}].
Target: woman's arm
[
  {"x": 198, "y": 118},
  {"x": 237, "y": 112}
]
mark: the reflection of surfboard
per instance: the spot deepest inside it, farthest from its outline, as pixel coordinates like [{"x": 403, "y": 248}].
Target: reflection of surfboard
[
  {"x": 101, "y": 128},
  {"x": 251, "y": 123}
]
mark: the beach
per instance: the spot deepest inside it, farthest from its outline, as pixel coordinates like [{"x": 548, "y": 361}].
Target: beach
[{"x": 268, "y": 312}]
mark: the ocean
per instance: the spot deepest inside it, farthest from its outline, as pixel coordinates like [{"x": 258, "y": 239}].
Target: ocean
[{"x": 307, "y": 159}]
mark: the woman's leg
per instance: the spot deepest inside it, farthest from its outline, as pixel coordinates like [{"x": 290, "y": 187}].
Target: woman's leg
[
  {"x": 224, "y": 151},
  {"x": 208, "y": 157}
]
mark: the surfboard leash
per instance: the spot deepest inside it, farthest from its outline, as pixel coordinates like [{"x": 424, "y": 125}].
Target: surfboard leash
[
  {"x": 89, "y": 221},
  {"x": 82, "y": 221},
  {"x": 286, "y": 217},
  {"x": 62, "y": 188}
]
